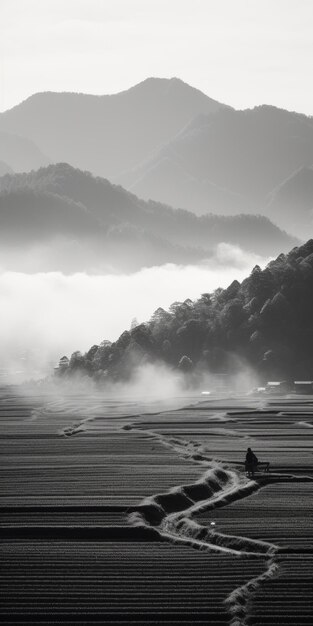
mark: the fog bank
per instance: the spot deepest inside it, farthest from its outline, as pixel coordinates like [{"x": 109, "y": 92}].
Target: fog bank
[{"x": 46, "y": 315}]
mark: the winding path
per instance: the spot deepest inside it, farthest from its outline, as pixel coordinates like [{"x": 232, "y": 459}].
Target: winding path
[{"x": 172, "y": 514}]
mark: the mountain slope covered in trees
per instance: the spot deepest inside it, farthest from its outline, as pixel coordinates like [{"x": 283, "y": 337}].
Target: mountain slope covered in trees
[
  {"x": 265, "y": 322},
  {"x": 86, "y": 223}
]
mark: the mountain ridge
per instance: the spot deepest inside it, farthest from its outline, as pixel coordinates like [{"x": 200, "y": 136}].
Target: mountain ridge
[
  {"x": 107, "y": 134},
  {"x": 246, "y": 154},
  {"x": 167, "y": 141},
  {"x": 109, "y": 206}
]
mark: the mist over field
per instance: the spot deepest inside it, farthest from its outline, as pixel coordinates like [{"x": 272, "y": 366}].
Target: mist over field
[{"x": 45, "y": 315}]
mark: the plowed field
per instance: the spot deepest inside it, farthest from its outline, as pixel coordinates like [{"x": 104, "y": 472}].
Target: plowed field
[{"x": 117, "y": 512}]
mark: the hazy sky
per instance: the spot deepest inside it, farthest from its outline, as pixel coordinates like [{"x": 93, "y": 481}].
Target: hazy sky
[{"x": 241, "y": 52}]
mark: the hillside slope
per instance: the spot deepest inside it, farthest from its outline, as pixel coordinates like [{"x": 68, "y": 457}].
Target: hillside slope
[
  {"x": 226, "y": 161},
  {"x": 20, "y": 154},
  {"x": 292, "y": 202},
  {"x": 62, "y": 203},
  {"x": 266, "y": 323}
]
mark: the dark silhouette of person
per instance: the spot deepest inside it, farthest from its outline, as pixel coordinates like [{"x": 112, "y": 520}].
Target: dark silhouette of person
[{"x": 251, "y": 462}]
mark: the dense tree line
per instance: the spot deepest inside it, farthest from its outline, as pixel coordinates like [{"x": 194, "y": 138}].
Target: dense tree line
[{"x": 267, "y": 321}]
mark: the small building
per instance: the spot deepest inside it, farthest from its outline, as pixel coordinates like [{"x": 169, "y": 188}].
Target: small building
[
  {"x": 303, "y": 386},
  {"x": 277, "y": 387}
]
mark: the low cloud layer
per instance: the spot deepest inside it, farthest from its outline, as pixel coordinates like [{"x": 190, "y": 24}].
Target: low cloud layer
[{"x": 46, "y": 315}]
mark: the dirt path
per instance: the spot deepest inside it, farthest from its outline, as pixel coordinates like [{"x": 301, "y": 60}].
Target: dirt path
[{"x": 113, "y": 512}]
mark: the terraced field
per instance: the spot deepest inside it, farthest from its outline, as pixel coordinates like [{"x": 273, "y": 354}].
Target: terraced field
[{"x": 117, "y": 512}]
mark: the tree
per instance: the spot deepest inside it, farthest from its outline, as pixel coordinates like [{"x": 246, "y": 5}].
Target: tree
[
  {"x": 77, "y": 361},
  {"x": 190, "y": 337},
  {"x": 134, "y": 323}
]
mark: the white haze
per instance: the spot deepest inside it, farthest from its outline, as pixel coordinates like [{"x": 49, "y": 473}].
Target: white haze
[
  {"x": 156, "y": 384},
  {"x": 46, "y": 315}
]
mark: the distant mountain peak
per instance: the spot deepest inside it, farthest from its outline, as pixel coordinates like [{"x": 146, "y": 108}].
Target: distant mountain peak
[
  {"x": 107, "y": 134},
  {"x": 171, "y": 86},
  {"x": 151, "y": 82}
]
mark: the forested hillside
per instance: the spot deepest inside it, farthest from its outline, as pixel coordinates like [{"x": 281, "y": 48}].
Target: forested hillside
[
  {"x": 265, "y": 322},
  {"x": 84, "y": 223}
]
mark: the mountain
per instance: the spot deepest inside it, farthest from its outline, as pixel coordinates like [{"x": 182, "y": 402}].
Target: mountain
[
  {"x": 42, "y": 231},
  {"x": 264, "y": 323},
  {"x": 168, "y": 180},
  {"x": 110, "y": 133},
  {"x": 165, "y": 140},
  {"x": 291, "y": 202},
  {"x": 20, "y": 154},
  {"x": 228, "y": 161},
  {"x": 74, "y": 221}
]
